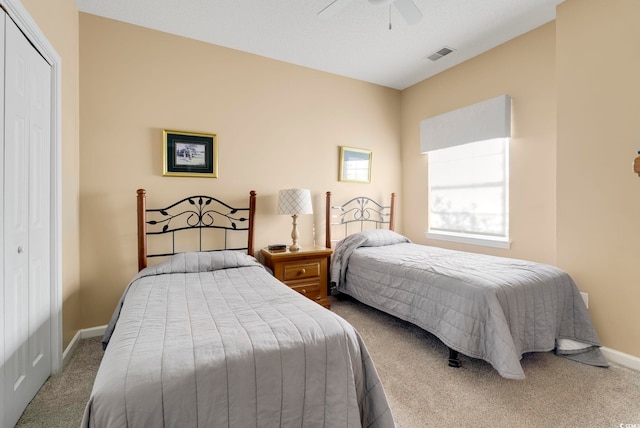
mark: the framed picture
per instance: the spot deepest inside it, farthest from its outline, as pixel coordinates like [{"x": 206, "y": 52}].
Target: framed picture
[
  {"x": 355, "y": 165},
  {"x": 189, "y": 154}
]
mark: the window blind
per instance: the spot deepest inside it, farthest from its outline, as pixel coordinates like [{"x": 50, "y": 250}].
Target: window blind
[{"x": 485, "y": 120}]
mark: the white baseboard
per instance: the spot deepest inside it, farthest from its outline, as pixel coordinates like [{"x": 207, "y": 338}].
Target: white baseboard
[
  {"x": 86, "y": 333},
  {"x": 81, "y": 334},
  {"x": 621, "y": 358},
  {"x": 69, "y": 349}
]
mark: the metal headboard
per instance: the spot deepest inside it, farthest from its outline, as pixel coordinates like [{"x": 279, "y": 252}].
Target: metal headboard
[
  {"x": 194, "y": 212},
  {"x": 362, "y": 210}
]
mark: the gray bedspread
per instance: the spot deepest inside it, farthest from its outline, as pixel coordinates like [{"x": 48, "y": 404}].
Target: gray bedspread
[
  {"x": 213, "y": 340},
  {"x": 487, "y": 307}
]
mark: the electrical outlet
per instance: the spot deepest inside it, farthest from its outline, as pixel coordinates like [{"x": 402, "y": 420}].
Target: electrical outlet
[{"x": 585, "y": 297}]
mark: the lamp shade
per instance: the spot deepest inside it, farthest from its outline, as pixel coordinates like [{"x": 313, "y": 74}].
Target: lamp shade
[{"x": 294, "y": 202}]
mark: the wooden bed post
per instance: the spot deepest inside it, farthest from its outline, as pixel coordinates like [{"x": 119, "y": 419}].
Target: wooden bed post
[
  {"x": 327, "y": 234},
  {"x": 142, "y": 230},
  {"x": 392, "y": 217},
  {"x": 252, "y": 212}
]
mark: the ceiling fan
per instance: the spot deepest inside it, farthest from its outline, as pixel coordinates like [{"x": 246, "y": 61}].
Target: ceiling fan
[{"x": 407, "y": 9}]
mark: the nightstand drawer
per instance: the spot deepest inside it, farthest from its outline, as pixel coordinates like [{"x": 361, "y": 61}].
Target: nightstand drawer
[
  {"x": 310, "y": 290},
  {"x": 293, "y": 271}
]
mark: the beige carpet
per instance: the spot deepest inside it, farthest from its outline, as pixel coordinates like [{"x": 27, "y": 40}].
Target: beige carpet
[
  {"x": 422, "y": 390},
  {"x": 60, "y": 402}
]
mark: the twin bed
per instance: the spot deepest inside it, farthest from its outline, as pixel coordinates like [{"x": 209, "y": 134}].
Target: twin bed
[
  {"x": 486, "y": 307},
  {"x": 211, "y": 339}
]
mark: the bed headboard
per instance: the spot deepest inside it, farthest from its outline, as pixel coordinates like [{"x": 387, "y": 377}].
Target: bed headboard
[
  {"x": 362, "y": 210},
  {"x": 195, "y": 213}
]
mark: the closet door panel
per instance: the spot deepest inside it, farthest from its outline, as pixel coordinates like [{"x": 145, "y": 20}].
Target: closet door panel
[
  {"x": 39, "y": 223},
  {"x": 2, "y": 240},
  {"x": 16, "y": 191},
  {"x": 26, "y": 223}
]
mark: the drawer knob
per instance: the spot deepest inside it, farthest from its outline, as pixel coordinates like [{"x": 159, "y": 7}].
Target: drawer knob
[
  {"x": 304, "y": 291},
  {"x": 303, "y": 271}
]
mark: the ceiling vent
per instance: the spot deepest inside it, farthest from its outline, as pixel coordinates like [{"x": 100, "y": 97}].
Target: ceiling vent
[{"x": 439, "y": 54}]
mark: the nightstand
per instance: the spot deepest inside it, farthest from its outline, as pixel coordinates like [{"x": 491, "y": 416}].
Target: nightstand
[{"x": 305, "y": 271}]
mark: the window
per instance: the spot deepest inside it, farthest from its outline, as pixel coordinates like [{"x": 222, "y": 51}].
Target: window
[
  {"x": 469, "y": 193},
  {"x": 469, "y": 172}
]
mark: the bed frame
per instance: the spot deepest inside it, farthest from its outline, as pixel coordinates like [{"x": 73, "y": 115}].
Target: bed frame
[
  {"x": 362, "y": 210},
  {"x": 194, "y": 212},
  {"x": 365, "y": 210}
]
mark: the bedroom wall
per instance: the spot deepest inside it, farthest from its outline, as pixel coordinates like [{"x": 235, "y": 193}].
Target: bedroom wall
[
  {"x": 279, "y": 126},
  {"x": 58, "y": 20},
  {"x": 525, "y": 69},
  {"x": 598, "y": 74}
]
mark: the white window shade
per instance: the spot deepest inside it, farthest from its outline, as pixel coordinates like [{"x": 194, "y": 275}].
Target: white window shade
[{"x": 485, "y": 120}]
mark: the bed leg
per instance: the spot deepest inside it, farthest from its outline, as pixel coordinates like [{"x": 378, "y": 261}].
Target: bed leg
[{"x": 454, "y": 361}]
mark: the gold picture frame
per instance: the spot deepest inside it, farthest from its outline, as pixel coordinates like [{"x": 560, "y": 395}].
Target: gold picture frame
[
  {"x": 189, "y": 154},
  {"x": 355, "y": 165}
]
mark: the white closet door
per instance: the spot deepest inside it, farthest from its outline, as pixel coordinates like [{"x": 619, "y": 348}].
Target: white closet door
[
  {"x": 39, "y": 94},
  {"x": 2, "y": 305},
  {"x": 26, "y": 222}
]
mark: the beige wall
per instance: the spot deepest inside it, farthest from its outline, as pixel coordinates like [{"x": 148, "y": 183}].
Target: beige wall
[
  {"x": 58, "y": 20},
  {"x": 278, "y": 125},
  {"x": 598, "y": 75},
  {"x": 525, "y": 69}
]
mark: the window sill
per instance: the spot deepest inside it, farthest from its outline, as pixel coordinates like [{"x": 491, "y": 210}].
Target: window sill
[{"x": 470, "y": 239}]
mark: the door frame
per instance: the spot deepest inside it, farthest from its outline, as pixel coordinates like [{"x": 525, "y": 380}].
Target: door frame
[{"x": 31, "y": 30}]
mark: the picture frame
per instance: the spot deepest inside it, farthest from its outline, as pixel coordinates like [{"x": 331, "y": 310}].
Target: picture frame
[
  {"x": 355, "y": 165},
  {"x": 189, "y": 154}
]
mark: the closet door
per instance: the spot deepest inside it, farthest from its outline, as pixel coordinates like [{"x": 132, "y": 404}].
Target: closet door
[
  {"x": 2, "y": 305},
  {"x": 26, "y": 222}
]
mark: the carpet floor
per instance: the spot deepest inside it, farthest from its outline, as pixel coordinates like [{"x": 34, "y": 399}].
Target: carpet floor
[{"x": 422, "y": 390}]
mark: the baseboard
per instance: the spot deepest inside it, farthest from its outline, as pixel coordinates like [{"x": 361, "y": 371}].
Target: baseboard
[
  {"x": 86, "y": 333},
  {"x": 81, "y": 334},
  {"x": 626, "y": 360},
  {"x": 69, "y": 349}
]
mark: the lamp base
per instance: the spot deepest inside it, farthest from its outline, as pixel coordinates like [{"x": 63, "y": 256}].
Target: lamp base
[
  {"x": 295, "y": 247},
  {"x": 294, "y": 235}
]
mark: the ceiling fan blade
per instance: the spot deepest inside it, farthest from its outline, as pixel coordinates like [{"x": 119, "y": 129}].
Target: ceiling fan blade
[
  {"x": 333, "y": 8},
  {"x": 408, "y": 10},
  {"x": 380, "y": 2}
]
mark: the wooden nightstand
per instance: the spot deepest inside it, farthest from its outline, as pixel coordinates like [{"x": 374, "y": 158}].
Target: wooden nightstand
[{"x": 305, "y": 271}]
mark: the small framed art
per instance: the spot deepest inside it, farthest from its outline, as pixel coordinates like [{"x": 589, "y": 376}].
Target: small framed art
[
  {"x": 189, "y": 154},
  {"x": 355, "y": 165}
]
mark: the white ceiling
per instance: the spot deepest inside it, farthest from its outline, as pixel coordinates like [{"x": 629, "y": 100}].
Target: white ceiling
[{"x": 357, "y": 42}]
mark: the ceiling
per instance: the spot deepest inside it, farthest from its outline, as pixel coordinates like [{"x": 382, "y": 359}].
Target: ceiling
[{"x": 356, "y": 42}]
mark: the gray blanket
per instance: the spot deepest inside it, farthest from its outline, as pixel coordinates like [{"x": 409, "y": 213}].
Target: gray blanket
[
  {"x": 487, "y": 307},
  {"x": 213, "y": 340}
]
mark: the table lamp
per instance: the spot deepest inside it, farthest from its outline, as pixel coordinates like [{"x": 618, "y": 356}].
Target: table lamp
[{"x": 294, "y": 202}]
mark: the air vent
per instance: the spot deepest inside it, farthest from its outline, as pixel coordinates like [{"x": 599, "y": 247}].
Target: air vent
[{"x": 439, "y": 54}]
